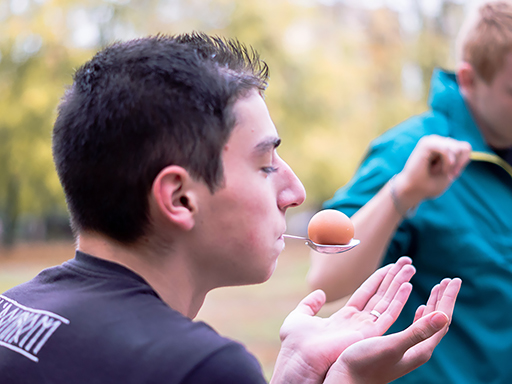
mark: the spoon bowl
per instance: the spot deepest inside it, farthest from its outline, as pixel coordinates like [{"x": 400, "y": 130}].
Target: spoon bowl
[{"x": 324, "y": 248}]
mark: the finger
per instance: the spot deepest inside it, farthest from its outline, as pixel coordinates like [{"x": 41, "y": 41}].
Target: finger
[
  {"x": 394, "y": 309},
  {"x": 311, "y": 304},
  {"x": 361, "y": 296},
  {"x": 421, "y": 330},
  {"x": 442, "y": 288},
  {"x": 447, "y": 300},
  {"x": 374, "y": 287},
  {"x": 448, "y": 160},
  {"x": 446, "y": 155},
  {"x": 431, "y": 304},
  {"x": 456, "y": 170},
  {"x": 435, "y": 296},
  {"x": 382, "y": 300},
  {"x": 445, "y": 303},
  {"x": 419, "y": 312},
  {"x": 419, "y": 341},
  {"x": 394, "y": 272},
  {"x": 436, "y": 148},
  {"x": 436, "y": 163},
  {"x": 463, "y": 157}
]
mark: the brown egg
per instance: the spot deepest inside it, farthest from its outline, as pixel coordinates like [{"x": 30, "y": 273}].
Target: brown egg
[{"x": 330, "y": 227}]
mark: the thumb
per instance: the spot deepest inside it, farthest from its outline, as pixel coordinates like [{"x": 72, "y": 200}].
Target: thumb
[
  {"x": 312, "y": 303},
  {"x": 423, "y": 329}
]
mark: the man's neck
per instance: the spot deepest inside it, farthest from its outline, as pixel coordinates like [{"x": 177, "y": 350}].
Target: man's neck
[
  {"x": 166, "y": 272},
  {"x": 491, "y": 136}
]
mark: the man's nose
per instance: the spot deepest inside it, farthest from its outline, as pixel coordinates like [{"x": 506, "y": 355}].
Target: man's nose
[{"x": 293, "y": 193}]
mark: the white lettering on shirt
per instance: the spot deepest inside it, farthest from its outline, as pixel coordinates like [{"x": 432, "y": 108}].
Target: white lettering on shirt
[{"x": 25, "y": 330}]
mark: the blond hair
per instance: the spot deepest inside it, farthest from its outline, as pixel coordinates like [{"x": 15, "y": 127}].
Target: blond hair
[{"x": 486, "y": 38}]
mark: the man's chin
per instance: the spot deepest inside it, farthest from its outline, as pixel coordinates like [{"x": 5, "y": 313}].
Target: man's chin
[{"x": 261, "y": 277}]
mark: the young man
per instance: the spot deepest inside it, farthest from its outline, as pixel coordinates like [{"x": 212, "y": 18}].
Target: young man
[
  {"x": 465, "y": 231},
  {"x": 167, "y": 156}
]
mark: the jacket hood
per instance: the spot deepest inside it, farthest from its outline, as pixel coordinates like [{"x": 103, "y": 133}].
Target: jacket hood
[{"x": 445, "y": 98}]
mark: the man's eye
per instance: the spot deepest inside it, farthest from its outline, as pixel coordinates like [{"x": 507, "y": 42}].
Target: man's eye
[{"x": 269, "y": 169}]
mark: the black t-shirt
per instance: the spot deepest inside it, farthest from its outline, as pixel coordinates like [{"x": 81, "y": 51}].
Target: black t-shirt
[{"x": 92, "y": 321}]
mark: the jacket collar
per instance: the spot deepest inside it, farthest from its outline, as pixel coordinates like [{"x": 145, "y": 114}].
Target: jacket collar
[{"x": 445, "y": 97}]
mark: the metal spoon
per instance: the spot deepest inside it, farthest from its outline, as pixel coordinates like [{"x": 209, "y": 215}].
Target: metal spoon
[{"x": 322, "y": 248}]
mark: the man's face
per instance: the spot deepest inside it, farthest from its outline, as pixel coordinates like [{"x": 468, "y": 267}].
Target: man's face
[
  {"x": 243, "y": 221},
  {"x": 492, "y": 105}
]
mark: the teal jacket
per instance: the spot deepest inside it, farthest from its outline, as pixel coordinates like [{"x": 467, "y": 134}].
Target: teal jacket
[{"x": 466, "y": 233}]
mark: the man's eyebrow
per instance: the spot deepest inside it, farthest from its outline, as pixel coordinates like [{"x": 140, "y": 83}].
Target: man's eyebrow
[{"x": 267, "y": 145}]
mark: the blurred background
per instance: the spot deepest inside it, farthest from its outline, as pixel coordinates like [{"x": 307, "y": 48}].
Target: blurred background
[{"x": 341, "y": 73}]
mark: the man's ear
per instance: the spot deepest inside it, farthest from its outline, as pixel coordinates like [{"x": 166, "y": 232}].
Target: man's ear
[
  {"x": 466, "y": 78},
  {"x": 175, "y": 196}
]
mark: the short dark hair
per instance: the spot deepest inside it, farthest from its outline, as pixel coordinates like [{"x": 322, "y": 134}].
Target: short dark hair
[{"x": 139, "y": 106}]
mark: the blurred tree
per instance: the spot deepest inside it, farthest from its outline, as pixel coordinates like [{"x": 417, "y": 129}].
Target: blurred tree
[
  {"x": 40, "y": 44},
  {"x": 33, "y": 69}
]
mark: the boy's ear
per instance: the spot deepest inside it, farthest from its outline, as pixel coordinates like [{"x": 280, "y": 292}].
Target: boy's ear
[
  {"x": 175, "y": 196},
  {"x": 466, "y": 77}
]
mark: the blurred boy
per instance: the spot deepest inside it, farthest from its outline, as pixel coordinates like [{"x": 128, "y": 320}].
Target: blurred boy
[{"x": 463, "y": 222}]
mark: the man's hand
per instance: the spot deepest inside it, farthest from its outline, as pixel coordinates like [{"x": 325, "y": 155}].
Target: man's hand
[
  {"x": 348, "y": 346},
  {"x": 383, "y": 359},
  {"x": 432, "y": 167},
  {"x": 310, "y": 344}
]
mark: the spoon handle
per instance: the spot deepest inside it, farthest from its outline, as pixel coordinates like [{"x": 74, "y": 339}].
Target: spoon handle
[{"x": 296, "y": 237}]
